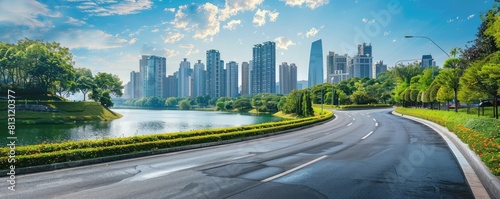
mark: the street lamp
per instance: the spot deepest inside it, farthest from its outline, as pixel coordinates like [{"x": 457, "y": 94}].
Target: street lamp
[
  {"x": 322, "y": 83},
  {"x": 409, "y": 36},
  {"x": 332, "y": 90}
]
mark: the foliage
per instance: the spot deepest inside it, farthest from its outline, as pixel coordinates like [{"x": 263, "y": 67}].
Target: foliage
[{"x": 185, "y": 104}]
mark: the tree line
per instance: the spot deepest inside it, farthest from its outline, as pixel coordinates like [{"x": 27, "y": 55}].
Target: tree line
[{"x": 35, "y": 67}]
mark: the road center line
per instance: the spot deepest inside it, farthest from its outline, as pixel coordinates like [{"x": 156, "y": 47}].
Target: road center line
[
  {"x": 376, "y": 124},
  {"x": 367, "y": 135},
  {"x": 349, "y": 124},
  {"x": 294, "y": 169},
  {"x": 374, "y": 119},
  {"x": 353, "y": 118}
]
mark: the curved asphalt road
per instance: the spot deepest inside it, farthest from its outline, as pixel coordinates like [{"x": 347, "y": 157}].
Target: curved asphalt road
[{"x": 361, "y": 154}]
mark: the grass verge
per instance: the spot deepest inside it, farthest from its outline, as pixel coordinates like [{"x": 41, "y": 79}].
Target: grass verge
[
  {"x": 41, "y": 154},
  {"x": 481, "y": 134}
]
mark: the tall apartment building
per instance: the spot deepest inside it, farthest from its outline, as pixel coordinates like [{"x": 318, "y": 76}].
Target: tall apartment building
[
  {"x": 316, "y": 64},
  {"x": 215, "y": 74},
  {"x": 361, "y": 64},
  {"x": 245, "y": 78},
  {"x": 427, "y": 61},
  {"x": 232, "y": 79},
  {"x": 172, "y": 85},
  {"x": 263, "y": 73},
  {"x": 379, "y": 67},
  {"x": 153, "y": 72},
  {"x": 184, "y": 79},
  {"x": 288, "y": 78},
  {"x": 199, "y": 79},
  {"x": 336, "y": 67}
]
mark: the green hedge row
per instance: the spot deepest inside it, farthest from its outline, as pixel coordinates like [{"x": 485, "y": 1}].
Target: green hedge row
[
  {"x": 54, "y": 153},
  {"x": 481, "y": 134}
]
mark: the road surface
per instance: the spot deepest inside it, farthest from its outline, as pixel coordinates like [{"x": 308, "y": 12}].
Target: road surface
[{"x": 360, "y": 154}]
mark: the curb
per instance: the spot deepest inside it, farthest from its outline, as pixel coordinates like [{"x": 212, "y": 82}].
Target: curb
[
  {"x": 482, "y": 182},
  {"x": 85, "y": 162}
]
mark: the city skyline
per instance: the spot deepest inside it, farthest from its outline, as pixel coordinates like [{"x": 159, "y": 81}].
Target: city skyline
[{"x": 112, "y": 36}]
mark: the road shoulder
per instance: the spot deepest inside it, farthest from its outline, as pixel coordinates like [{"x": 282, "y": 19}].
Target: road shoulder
[{"x": 482, "y": 182}]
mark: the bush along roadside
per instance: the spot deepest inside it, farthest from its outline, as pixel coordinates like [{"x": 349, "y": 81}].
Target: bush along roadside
[
  {"x": 41, "y": 154},
  {"x": 481, "y": 134}
]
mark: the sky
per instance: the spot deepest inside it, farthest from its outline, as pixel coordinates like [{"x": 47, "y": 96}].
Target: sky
[{"x": 111, "y": 35}]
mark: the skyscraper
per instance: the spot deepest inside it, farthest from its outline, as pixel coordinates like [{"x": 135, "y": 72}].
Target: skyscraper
[
  {"x": 214, "y": 74},
  {"x": 288, "y": 78},
  {"x": 199, "y": 79},
  {"x": 153, "y": 76},
  {"x": 316, "y": 64},
  {"x": 172, "y": 85},
  {"x": 263, "y": 75},
  {"x": 336, "y": 67},
  {"x": 427, "y": 61},
  {"x": 232, "y": 79},
  {"x": 134, "y": 86},
  {"x": 379, "y": 68},
  {"x": 361, "y": 64},
  {"x": 245, "y": 78},
  {"x": 184, "y": 79}
]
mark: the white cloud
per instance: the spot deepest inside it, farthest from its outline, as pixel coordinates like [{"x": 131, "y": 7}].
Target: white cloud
[
  {"x": 470, "y": 16},
  {"x": 173, "y": 37},
  {"x": 313, "y": 31},
  {"x": 186, "y": 45},
  {"x": 394, "y": 41},
  {"x": 259, "y": 19},
  {"x": 170, "y": 53},
  {"x": 111, "y": 7},
  {"x": 313, "y": 4},
  {"x": 387, "y": 33},
  {"x": 192, "y": 51},
  {"x": 283, "y": 42},
  {"x": 132, "y": 41},
  {"x": 90, "y": 39},
  {"x": 155, "y": 30},
  {"x": 365, "y": 20},
  {"x": 169, "y": 9},
  {"x": 25, "y": 13},
  {"x": 232, "y": 7},
  {"x": 231, "y": 25},
  {"x": 75, "y": 22},
  {"x": 202, "y": 19}
]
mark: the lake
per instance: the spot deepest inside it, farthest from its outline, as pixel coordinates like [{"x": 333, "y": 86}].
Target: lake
[{"x": 135, "y": 122}]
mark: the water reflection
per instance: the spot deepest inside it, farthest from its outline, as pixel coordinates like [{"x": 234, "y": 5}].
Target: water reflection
[{"x": 134, "y": 122}]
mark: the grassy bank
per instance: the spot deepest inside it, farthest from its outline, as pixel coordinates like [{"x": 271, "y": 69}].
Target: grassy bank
[
  {"x": 480, "y": 133},
  {"x": 41, "y": 154},
  {"x": 353, "y": 106},
  {"x": 69, "y": 112}
]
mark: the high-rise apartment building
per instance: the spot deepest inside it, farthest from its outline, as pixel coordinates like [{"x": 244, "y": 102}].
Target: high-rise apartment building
[
  {"x": 336, "y": 67},
  {"x": 427, "y": 61},
  {"x": 263, "y": 72},
  {"x": 361, "y": 64},
  {"x": 172, "y": 82},
  {"x": 133, "y": 87},
  {"x": 215, "y": 74},
  {"x": 245, "y": 78},
  {"x": 232, "y": 79},
  {"x": 199, "y": 79},
  {"x": 184, "y": 79},
  {"x": 153, "y": 75},
  {"x": 288, "y": 78},
  {"x": 316, "y": 64},
  {"x": 379, "y": 67}
]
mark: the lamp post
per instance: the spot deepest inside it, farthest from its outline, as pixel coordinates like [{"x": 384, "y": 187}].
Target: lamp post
[
  {"x": 333, "y": 92},
  {"x": 322, "y": 84},
  {"x": 410, "y": 36}
]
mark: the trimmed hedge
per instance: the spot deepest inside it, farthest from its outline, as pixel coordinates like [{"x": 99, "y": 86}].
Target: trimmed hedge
[
  {"x": 481, "y": 134},
  {"x": 41, "y": 154}
]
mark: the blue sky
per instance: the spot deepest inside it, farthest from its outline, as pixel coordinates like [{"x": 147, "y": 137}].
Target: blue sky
[{"x": 110, "y": 35}]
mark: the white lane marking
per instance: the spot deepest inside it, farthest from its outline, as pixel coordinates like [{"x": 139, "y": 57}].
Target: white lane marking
[
  {"x": 376, "y": 124},
  {"x": 294, "y": 169},
  {"x": 368, "y": 115},
  {"x": 349, "y": 115},
  {"x": 353, "y": 118},
  {"x": 374, "y": 119},
  {"x": 349, "y": 124},
  {"x": 367, "y": 135}
]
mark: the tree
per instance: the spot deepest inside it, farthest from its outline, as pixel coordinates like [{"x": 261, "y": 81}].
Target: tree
[
  {"x": 171, "y": 101},
  {"x": 444, "y": 94},
  {"x": 450, "y": 78},
  {"x": 96, "y": 93},
  {"x": 185, "y": 104},
  {"x": 220, "y": 106},
  {"x": 106, "y": 99},
  {"x": 84, "y": 85},
  {"x": 109, "y": 82},
  {"x": 155, "y": 102},
  {"x": 242, "y": 104}
]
